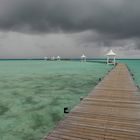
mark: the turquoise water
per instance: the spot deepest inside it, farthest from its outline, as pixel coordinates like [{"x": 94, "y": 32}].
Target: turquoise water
[
  {"x": 134, "y": 66},
  {"x": 34, "y": 93}
]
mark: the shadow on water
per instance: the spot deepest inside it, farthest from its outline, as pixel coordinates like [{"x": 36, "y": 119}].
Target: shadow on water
[
  {"x": 38, "y": 121},
  {"x": 3, "y": 109},
  {"x": 29, "y": 100}
]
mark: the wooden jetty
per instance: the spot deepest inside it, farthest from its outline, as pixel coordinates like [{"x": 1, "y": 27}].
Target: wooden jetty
[{"x": 110, "y": 112}]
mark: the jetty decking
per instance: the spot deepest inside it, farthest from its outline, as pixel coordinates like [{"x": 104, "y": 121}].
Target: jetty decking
[{"x": 110, "y": 112}]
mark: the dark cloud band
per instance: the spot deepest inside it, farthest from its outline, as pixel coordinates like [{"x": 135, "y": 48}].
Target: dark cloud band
[{"x": 120, "y": 19}]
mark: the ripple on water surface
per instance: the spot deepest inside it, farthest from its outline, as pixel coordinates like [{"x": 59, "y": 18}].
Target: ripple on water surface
[{"x": 34, "y": 93}]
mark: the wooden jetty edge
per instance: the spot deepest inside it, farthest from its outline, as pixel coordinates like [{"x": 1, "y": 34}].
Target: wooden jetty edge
[{"x": 110, "y": 112}]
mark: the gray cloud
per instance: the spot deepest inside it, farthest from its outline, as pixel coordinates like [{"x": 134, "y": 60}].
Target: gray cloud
[
  {"x": 120, "y": 19},
  {"x": 79, "y": 26}
]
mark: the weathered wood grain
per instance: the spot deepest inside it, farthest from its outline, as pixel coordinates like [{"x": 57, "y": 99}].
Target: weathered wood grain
[{"x": 110, "y": 112}]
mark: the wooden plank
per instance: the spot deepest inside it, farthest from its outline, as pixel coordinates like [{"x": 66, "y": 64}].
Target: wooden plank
[{"x": 110, "y": 112}]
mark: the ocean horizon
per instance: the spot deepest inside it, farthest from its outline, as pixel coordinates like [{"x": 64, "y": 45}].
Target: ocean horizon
[{"x": 49, "y": 58}]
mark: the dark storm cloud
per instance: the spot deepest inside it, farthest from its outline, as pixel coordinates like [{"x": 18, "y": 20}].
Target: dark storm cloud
[{"x": 115, "y": 18}]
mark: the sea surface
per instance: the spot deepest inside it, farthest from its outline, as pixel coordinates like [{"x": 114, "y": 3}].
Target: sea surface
[
  {"x": 134, "y": 66},
  {"x": 33, "y": 93}
]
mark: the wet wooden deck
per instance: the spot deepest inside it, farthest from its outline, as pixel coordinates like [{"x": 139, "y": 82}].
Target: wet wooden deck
[{"x": 110, "y": 112}]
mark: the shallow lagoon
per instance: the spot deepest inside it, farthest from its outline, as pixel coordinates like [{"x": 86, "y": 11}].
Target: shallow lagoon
[
  {"x": 34, "y": 93},
  {"x": 134, "y": 65}
]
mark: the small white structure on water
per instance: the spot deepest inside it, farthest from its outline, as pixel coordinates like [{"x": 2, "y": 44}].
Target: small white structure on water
[
  {"x": 52, "y": 58},
  {"x": 45, "y": 58},
  {"x": 83, "y": 58},
  {"x": 58, "y": 58},
  {"x": 111, "y": 57}
]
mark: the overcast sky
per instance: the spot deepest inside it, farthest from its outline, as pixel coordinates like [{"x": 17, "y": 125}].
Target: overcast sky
[{"x": 69, "y": 28}]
